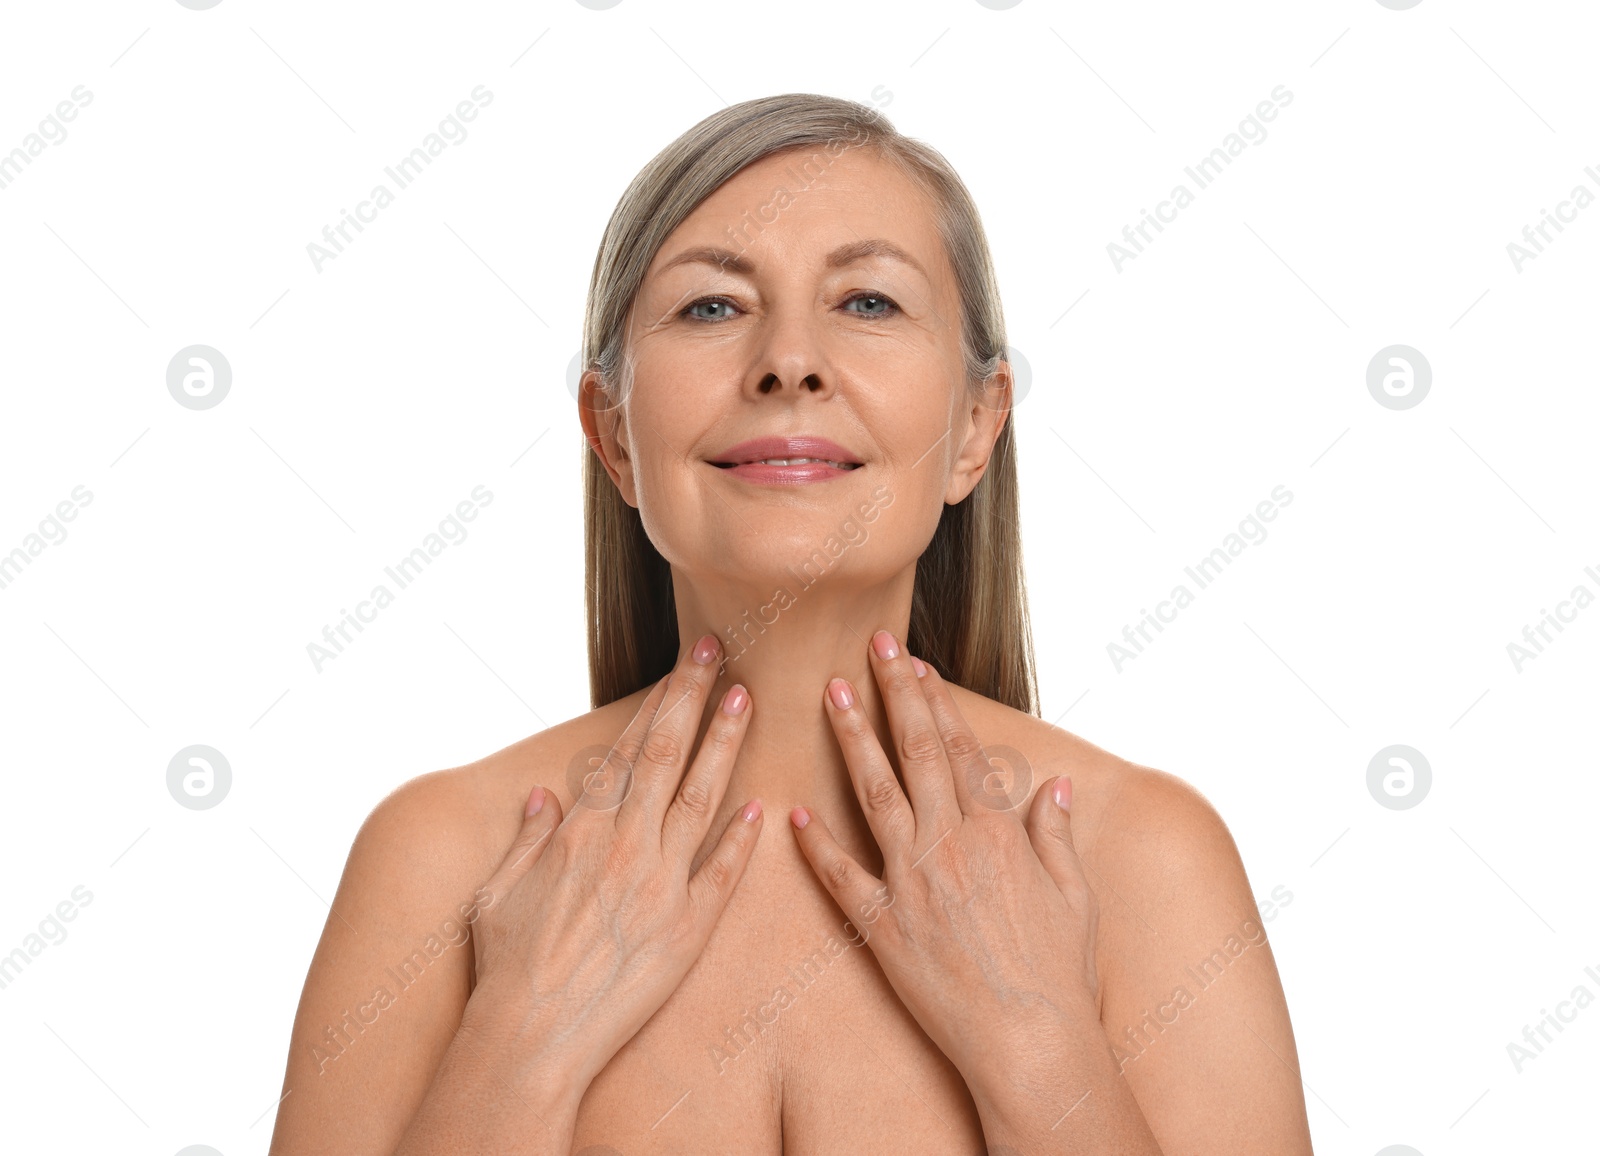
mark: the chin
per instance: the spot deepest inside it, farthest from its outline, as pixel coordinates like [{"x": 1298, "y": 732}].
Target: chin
[
  {"x": 791, "y": 546},
  {"x": 798, "y": 561}
]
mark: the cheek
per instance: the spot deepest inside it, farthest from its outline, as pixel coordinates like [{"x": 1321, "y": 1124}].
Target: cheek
[
  {"x": 669, "y": 497},
  {"x": 916, "y": 426},
  {"x": 666, "y": 417},
  {"x": 912, "y": 502},
  {"x": 664, "y": 420},
  {"x": 916, "y": 480}
]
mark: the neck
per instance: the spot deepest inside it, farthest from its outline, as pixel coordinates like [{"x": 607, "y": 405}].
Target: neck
[{"x": 783, "y": 648}]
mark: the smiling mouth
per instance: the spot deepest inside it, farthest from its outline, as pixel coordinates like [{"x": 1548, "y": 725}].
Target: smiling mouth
[
  {"x": 786, "y": 460},
  {"x": 789, "y": 462}
]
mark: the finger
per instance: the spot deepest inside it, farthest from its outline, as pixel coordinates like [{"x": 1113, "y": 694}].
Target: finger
[
  {"x": 917, "y": 745},
  {"x": 669, "y": 737},
  {"x": 712, "y": 885},
  {"x": 1050, "y": 832},
  {"x": 689, "y": 817},
  {"x": 861, "y": 895},
  {"x": 877, "y": 790},
  {"x": 633, "y": 734},
  {"x": 541, "y": 817},
  {"x": 970, "y": 767},
  {"x": 603, "y": 788}
]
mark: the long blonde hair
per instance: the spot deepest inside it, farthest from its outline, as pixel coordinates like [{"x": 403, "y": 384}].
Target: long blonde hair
[{"x": 969, "y": 611}]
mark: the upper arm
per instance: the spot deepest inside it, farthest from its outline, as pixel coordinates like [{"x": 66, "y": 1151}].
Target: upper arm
[
  {"x": 1191, "y": 998},
  {"x": 390, "y": 976}
]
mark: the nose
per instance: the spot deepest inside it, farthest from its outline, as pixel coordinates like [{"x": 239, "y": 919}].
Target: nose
[
  {"x": 791, "y": 359},
  {"x": 772, "y": 383}
]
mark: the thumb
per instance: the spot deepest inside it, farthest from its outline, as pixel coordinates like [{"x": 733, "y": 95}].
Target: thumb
[
  {"x": 1050, "y": 832},
  {"x": 541, "y": 817}
]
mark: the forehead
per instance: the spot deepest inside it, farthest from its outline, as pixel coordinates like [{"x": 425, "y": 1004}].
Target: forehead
[{"x": 805, "y": 203}]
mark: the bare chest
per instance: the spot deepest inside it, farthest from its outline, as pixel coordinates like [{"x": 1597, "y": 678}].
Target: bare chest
[{"x": 784, "y": 1037}]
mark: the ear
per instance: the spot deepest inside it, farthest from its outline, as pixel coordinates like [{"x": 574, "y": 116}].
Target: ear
[
  {"x": 606, "y": 433},
  {"x": 983, "y": 422}
]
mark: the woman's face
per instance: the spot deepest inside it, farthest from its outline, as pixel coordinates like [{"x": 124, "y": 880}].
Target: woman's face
[{"x": 776, "y": 311}]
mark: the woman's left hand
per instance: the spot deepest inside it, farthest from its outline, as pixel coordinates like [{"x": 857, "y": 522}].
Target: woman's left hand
[{"x": 983, "y": 923}]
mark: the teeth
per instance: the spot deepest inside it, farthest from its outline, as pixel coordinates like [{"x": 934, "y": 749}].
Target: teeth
[{"x": 801, "y": 462}]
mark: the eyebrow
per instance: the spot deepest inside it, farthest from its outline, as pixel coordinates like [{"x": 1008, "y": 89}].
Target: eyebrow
[{"x": 842, "y": 257}]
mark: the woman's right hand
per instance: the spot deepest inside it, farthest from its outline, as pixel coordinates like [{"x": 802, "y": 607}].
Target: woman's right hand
[{"x": 590, "y": 924}]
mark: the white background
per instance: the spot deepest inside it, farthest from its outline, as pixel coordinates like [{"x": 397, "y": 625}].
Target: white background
[{"x": 1166, "y": 400}]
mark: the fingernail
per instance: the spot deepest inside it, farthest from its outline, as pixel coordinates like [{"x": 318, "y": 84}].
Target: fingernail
[
  {"x": 799, "y": 817},
  {"x": 751, "y": 810},
  {"x": 1062, "y": 793},
  {"x": 916, "y": 664},
  {"x": 839, "y": 692},
  {"x": 883, "y": 642},
  {"x": 706, "y": 649},
  {"x": 735, "y": 700},
  {"x": 535, "y": 801}
]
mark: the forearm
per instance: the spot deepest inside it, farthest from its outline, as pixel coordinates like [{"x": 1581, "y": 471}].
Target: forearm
[
  {"x": 1058, "y": 1089},
  {"x": 492, "y": 1093}
]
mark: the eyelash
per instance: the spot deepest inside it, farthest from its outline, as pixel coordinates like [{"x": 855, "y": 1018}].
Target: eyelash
[{"x": 893, "y": 308}]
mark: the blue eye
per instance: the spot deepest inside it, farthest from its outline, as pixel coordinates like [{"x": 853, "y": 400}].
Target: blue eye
[
  {"x": 689, "y": 310},
  {"x": 889, "y": 307},
  {"x": 886, "y": 307}
]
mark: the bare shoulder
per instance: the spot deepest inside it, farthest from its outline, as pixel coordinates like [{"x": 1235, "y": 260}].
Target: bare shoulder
[
  {"x": 392, "y": 971},
  {"x": 1158, "y": 854},
  {"x": 1191, "y": 999},
  {"x": 462, "y": 819},
  {"x": 1136, "y": 818}
]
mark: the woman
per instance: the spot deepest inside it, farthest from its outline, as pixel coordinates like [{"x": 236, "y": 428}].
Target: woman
[{"x": 973, "y": 931}]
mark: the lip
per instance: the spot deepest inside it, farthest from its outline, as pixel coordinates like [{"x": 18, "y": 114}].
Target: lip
[{"x": 744, "y": 460}]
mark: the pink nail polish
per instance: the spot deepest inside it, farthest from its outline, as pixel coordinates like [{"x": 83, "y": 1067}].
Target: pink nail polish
[
  {"x": 751, "y": 810},
  {"x": 916, "y": 665},
  {"x": 1062, "y": 793},
  {"x": 839, "y": 691},
  {"x": 883, "y": 642},
  {"x": 706, "y": 649},
  {"x": 535, "y": 801},
  {"x": 799, "y": 817},
  {"x": 735, "y": 700}
]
